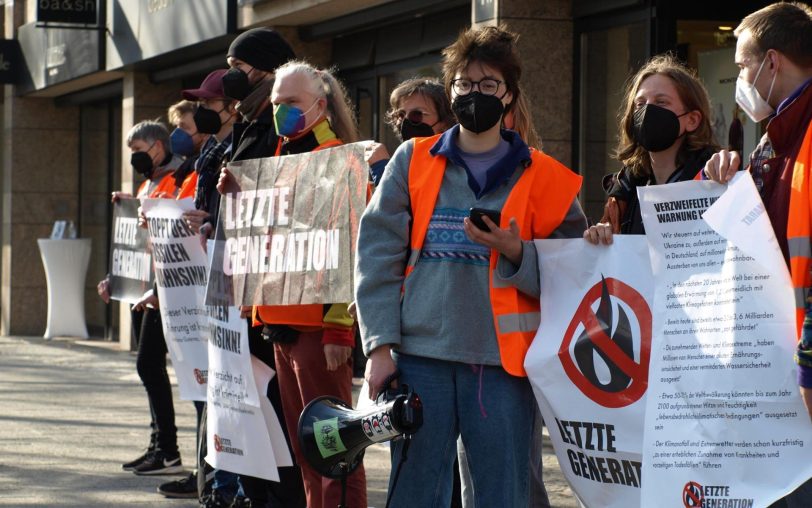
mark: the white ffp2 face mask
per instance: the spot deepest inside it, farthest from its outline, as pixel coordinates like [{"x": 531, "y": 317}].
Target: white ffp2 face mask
[{"x": 751, "y": 102}]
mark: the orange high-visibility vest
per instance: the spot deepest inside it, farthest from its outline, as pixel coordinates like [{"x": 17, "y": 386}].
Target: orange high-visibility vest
[
  {"x": 164, "y": 189},
  {"x": 187, "y": 188},
  {"x": 799, "y": 228},
  {"x": 539, "y": 201},
  {"x": 295, "y": 315}
]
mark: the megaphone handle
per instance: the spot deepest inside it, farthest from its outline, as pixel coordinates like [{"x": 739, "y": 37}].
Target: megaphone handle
[
  {"x": 387, "y": 383},
  {"x": 343, "y": 490}
]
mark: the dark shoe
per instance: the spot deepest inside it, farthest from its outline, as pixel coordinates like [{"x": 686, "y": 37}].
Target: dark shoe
[
  {"x": 215, "y": 500},
  {"x": 240, "y": 502},
  {"x": 159, "y": 463},
  {"x": 129, "y": 466},
  {"x": 184, "y": 488}
]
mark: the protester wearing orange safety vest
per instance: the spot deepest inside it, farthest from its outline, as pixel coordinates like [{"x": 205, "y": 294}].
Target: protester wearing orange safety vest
[
  {"x": 312, "y": 343},
  {"x": 150, "y": 156},
  {"x": 453, "y": 307},
  {"x": 774, "y": 55}
]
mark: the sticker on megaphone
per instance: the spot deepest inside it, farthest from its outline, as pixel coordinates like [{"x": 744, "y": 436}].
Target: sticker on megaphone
[{"x": 333, "y": 436}]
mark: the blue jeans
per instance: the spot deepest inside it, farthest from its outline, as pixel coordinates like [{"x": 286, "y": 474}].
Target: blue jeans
[
  {"x": 227, "y": 483},
  {"x": 490, "y": 409}
]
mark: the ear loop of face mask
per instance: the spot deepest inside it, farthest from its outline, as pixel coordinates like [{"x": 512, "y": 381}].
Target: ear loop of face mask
[
  {"x": 148, "y": 149},
  {"x": 307, "y": 128},
  {"x": 772, "y": 83},
  {"x": 224, "y": 108}
]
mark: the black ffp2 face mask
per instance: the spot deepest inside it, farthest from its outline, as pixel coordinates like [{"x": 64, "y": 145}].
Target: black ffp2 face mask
[
  {"x": 142, "y": 163},
  {"x": 236, "y": 84},
  {"x": 409, "y": 130},
  {"x": 207, "y": 121},
  {"x": 477, "y": 112},
  {"x": 656, "y": 128}
]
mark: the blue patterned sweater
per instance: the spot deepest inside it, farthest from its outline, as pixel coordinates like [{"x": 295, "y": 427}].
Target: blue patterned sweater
[{"x": 444, "y": 311}]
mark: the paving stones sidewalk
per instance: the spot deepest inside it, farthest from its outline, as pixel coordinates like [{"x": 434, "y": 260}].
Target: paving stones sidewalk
[{"x": 72, "y": 411}]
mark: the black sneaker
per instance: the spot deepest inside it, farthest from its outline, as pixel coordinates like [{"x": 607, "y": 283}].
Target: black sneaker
[
  {"x": 215, "y": 500},
  {"x": 129, "y": 466},
  {"x": 183, "y": 488},
  {"x": 159, "y": 463}
]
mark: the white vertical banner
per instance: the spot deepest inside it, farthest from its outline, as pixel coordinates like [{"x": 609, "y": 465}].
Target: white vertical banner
[
  {"x": 242, "y": 438},
  {"x": 725, "y": 425},
  {"x": 180, "y": 275},
  {"x": 588, "y": 364},
  {"x": 244, "y": 434}
]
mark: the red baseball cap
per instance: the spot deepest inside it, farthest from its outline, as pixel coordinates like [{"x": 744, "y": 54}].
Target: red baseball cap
[{"x": 210, "y": 88}]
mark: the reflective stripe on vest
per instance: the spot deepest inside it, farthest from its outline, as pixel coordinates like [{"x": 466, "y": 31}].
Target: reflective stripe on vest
[
  {"x": 799, "y": 228},
  {"x": 527, "y": 322},
  {"x": 297, "y": 315},
  {"x": 539, "y": 200}
]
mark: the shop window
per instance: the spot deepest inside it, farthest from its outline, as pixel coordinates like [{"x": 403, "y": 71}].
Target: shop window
[{"x": 710, "y": 47}]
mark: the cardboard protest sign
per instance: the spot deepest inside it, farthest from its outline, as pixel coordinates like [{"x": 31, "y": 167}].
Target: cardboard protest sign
[
  {"x": 725, "y": 425},
  {"x": 290, "y": 232},
  {"x": 181, "y": 276},
  {"x": 588, "y": 364},
  {"x": 130, "y": 258}
]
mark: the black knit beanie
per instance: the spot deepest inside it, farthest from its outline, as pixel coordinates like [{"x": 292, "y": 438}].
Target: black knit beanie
[{"x": 262, "y": 48}]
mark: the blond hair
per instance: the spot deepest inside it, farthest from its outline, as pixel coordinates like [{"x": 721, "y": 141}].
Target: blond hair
[
  {"x": 340, "y": 112},
  {"x": 176, "y": 111}
]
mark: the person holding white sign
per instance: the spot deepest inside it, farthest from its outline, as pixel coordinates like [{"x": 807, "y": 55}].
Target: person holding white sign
[
  {"x": 774, "y": 55},
  {"x": 149, "y": 144},
  {"x": 665, "y": 136},
  {"x": 453, "y": 305}
]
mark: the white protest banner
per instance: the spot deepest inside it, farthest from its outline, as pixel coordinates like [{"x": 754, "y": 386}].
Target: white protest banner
[
  {"x": 236, "y": 395},
  {"x": 725, "y": 425},
  {"x": 588, "y": 364},
  {"x": 181, "y": 276},
  {"x": 230, "y": 374},
  {"x": 130, "y": 258},
  {"x": 290, "y": 230},
  {"x": 241, "y": 438}
]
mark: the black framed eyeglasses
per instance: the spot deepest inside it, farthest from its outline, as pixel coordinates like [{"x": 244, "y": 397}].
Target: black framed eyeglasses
[{"x": 487, "y": 86}]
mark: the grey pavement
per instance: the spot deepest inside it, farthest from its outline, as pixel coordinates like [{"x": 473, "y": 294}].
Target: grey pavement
[{"x": 72, "y": 411}]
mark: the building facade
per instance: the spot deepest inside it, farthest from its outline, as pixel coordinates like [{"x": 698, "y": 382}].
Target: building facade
[{"x": 81, "y": 86}]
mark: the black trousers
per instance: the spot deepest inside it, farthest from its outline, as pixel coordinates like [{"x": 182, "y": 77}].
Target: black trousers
[{"x": 151, "y": 366}]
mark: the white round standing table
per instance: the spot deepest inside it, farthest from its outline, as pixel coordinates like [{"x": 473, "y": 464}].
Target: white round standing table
[{"x": 65, "y": 263}]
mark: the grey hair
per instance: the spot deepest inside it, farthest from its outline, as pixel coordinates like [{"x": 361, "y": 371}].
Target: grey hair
[
  {"x": 340, "y": 112},
  {"x": 149, "y": 131}
]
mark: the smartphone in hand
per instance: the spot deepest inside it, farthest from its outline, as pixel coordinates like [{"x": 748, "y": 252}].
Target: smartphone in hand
[{"x": 475, "y": 214}]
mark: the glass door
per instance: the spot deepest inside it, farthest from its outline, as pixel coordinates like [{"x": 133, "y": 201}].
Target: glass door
[{"x": 609, "y": 51}]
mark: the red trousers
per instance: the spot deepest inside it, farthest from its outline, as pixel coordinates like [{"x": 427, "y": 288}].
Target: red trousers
[{"x": 303, "y": 376}]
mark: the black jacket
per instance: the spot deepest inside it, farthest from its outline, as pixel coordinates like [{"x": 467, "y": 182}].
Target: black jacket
[
  {"x": 623, "y": 187},
  {"x": 255, "y": 139}
]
